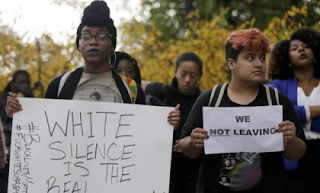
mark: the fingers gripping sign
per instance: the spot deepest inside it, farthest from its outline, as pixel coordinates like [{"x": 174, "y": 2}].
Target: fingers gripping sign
[
  {"x": 174, "y": 117},
  {"x": 289, "y": 131},
  {"x": 198, "y": 136},
  {"x": 12, "y": 105}
]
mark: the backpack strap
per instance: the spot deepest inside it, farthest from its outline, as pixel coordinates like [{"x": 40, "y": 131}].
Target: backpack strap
[
  {"x": 221, "y": 92},
  {"x": 277, "y": 95},
  {"x": 269, "y": 95},
  {"x": 221, "y": 95},
  {"x": 63, "y": 81},
  {"x": 212, "y": 94},
  {"x": 131, "y": 87}
]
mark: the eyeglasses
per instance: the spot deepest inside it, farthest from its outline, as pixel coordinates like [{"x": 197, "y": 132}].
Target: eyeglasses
[{"x": 98, "y": 37}]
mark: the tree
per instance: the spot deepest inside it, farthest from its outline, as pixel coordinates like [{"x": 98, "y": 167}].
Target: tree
[
  {"x": 172, "y": 17},
  {"x": 44, "y": 59},
  {"x": 156, "y": 57}
]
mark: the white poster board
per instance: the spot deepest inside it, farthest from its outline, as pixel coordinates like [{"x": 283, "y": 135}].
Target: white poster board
[
  {"x": 242, "y": 129},
  {"x": 67, "y": 146}
]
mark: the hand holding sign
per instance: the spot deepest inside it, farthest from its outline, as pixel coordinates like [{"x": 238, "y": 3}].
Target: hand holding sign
[
  {"x": 244, "y": 129},
  {"x": 289, "y": 131},
  {"x": 12, "y": 105},
  {"x": 174, "y": 117},
  {"x": 197, "y": 137}
]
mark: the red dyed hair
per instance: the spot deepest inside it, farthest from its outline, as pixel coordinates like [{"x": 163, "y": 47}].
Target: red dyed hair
[{"x": 249, "y": 40}]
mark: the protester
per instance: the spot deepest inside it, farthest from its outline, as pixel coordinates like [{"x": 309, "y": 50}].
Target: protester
[
  {"x": 295, "y": 72},
  {"x": 20, "y": 80},
  {"x": 257, "y": 172},
  {"x": 126, "y": 65},
  {"x": 183, "y": 91},
  {"x": 20, "y": 85},
  {"x": 96, "y": 41}
]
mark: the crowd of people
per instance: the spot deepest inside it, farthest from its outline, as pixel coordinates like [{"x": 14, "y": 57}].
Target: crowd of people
[{"x": 293, "y": 71}]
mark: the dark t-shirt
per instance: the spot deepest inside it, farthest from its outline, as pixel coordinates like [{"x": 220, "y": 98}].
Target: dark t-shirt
[{"x": 196, "y": 120}]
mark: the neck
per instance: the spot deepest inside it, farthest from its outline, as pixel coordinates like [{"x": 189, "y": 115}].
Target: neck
[
  {"x": 242, "y": 93},
  {"x": 96, "y": 68},
  {"x": 304, "y": 75}
]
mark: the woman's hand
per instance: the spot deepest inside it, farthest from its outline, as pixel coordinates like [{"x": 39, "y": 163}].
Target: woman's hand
[
  {"x": 174, "y": 117},
  {"x": 12, "y": 105}
]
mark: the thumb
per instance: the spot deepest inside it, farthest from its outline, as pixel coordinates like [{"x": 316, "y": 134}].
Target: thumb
[{"x": 177, "y": 107}]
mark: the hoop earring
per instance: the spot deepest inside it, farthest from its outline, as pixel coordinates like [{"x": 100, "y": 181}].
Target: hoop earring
[{"x": 115, "y": 59}]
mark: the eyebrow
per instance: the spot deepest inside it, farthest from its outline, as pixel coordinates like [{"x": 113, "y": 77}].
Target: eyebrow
[{"x": 250, "y": 54}]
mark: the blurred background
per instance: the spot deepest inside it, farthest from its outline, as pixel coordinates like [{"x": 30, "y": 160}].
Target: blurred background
[{"x": 39, "y": 35}]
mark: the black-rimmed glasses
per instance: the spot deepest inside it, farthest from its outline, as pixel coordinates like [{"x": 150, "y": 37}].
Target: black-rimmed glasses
[{"x": 98, "y": 37}]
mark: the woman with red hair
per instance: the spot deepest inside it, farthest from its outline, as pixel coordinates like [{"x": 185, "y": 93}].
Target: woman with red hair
[{"x": 251, "y": 172}]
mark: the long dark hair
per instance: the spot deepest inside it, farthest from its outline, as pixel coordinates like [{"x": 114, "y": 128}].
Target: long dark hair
[{"x": 279, "y": 61}]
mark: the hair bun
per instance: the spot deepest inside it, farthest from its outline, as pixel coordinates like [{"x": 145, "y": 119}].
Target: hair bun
[{"x": 96, "y": 13}]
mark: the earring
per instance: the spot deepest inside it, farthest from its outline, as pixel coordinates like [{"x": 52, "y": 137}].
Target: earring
[
  {"x": 115, "y": 59},
  {"x": 290, "y": 65},
  {"x": 314, "y": 61}
]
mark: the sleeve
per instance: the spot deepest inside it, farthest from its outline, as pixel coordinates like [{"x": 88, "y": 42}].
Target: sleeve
[
  {"x": 141, "y": 97},
  {"x": 195, "y": 118},
  {"x": 300, "y": 110},
  {"x": 301, "y": 113},
  {"x": 290, "y": 115},
  {"x": 52, "y": 90},
  {"x": 155, "y": 89},
  {"x": 277, "y": 84},
  {"x": 315, "y": 124}
]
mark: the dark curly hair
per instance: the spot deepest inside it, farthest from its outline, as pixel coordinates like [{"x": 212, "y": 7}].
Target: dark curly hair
[{"x": 279, "y": 63}]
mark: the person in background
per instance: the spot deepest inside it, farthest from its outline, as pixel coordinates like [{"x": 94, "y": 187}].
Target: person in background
[
  {"x": 295, "y": 71},
  {"x": 181, "y": 93},
  {"x": 253, "y": 172},
  {"x": 126, "y": 65},
  {"x": 21, "y": 86}
]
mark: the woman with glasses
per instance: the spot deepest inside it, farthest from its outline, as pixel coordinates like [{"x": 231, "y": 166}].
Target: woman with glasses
[{"x": 96, "y": 41}]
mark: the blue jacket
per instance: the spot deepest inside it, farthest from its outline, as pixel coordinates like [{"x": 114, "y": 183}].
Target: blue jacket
[{"x": 289, "y": 87}]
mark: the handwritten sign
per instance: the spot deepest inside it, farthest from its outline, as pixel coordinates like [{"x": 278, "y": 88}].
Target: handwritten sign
[
  {"x": 61, "y": 146},
  {"x": 242, "y": 129}
]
